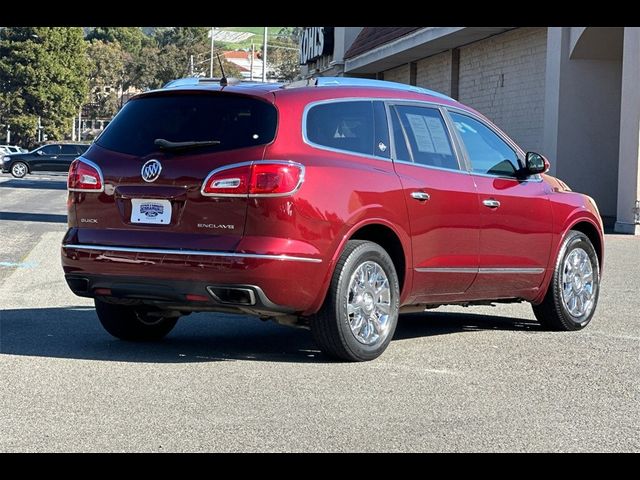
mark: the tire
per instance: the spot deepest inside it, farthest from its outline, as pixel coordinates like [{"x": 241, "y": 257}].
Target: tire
[
  {"x": 332, "y": 325},
  {"x": 556, "y": 312},
  {"x": 19, "y": 169},
  {"x": 134, "y": 324}
]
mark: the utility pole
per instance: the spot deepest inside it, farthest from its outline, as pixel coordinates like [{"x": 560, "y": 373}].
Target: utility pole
[
  {"x": 253, "y": 54},
  {"x": 191, "y": 65},
  {"x": 211, "y": 60},
  {"x": 8, "y": 134},
  {"x": 39, "y": 130},
  {"x": 264, "y": 56},
  {"x": 80, "y": 124}
]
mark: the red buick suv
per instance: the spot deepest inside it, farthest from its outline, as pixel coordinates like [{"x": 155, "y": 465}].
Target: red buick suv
[{"x": 332, "y": 204}]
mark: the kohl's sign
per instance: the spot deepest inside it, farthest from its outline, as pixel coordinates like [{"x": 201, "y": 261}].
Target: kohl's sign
[{"x": 314, "y": 43}]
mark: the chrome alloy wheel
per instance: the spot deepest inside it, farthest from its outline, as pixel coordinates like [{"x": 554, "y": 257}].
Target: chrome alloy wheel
[
  {"x": 19, "y": 169},
  {"x": 578, "y": 286},
  {"x": 369, "y": 304}
]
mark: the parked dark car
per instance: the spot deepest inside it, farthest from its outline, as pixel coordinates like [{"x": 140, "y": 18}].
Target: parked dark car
[
  {"x": 54, "y": 157},
  {"x": 333, "y": 206}
]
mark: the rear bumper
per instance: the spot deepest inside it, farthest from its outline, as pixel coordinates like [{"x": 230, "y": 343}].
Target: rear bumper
[{"x": 278, "y": 283}]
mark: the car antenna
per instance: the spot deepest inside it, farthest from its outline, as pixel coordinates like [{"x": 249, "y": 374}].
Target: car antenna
[{"x": 223, "y": 79}]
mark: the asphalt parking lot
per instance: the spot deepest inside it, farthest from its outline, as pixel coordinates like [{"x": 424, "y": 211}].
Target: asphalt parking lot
[{"x": 453, "y": 379}]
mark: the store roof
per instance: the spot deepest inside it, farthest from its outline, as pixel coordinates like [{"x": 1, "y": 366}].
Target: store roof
[{"x": 371, "y": 37}]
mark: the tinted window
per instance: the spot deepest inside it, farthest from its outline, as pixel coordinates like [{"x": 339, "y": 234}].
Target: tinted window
[
  {"x": 235, "y": 121},
  {"x": 80, "y": 149},
  {"x": 427, "y": 135},
  {"x": 487, "y": 152},
  {"x": 342, "y": 125},
  {"x": 51, "y": 149},
  {"x": 69, "y": 150}
]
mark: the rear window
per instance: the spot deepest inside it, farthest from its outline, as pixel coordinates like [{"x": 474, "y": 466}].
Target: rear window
[{"x": 234, "y": 121}]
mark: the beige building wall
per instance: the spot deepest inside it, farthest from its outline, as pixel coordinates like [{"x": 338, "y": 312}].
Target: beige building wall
[
  {"x": 435, "y": 73},
  {"x": 628, "y": 207},
  {"x": 570, "y": 93},
  {"x": 398, "y": 74},
  {"x": 582, "y": 113},
  {"x": 504, "y": 78}
]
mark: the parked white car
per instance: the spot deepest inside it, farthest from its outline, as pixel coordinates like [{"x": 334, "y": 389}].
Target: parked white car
[{"x": 8, "y": 149}]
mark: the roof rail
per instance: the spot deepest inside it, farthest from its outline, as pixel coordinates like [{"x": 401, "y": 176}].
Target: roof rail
[
  {"x": 366, "y": 82},
  {"x": 191, "y": 81}
]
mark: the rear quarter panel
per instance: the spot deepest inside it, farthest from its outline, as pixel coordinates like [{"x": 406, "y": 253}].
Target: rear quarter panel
[{"x": 341, "y": 193}]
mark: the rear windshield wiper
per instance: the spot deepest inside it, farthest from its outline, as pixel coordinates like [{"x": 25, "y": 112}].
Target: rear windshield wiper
[{"x": 169, "y": 145}]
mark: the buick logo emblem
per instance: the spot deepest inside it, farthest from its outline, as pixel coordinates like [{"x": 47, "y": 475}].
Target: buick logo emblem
[{"x": 151, "y": 170}]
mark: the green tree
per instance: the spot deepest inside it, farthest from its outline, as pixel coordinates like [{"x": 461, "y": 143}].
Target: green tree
[
  {"x": 131, "y": 39},
  {"x": 106, "y": 76},
  {"x": 182, "y": 37},
  {"x": 284, "y": 55},
  {"x": 177, "y": 45},
  {"x": 142, "y": 71},
  {"x": 43, "y": 73}
]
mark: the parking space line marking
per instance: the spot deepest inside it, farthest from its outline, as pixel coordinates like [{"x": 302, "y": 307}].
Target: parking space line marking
[{"x": 18, "y": 264}]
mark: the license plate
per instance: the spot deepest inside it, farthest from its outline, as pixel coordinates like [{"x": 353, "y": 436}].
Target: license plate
[{"x": 157, "y": 212}]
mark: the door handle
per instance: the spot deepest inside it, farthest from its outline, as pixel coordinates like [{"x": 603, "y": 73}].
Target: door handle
[
  {"x": 54, "y": 157},
  {"x": 421, "y": 196},
  {"x": 491, "y": 203}
]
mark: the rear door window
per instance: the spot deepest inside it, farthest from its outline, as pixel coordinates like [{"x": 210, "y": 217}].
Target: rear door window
[
  {"x": 346, "y": 126},
  {"x": 233, "y": 120},
  {"x": 426, "y": 133},
  {"x": 68, "y": 150}
]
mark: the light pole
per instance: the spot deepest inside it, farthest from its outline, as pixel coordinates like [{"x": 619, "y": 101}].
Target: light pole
[
  {"x": 213, "y": 29},
  {"x": 264, "y": 56}
]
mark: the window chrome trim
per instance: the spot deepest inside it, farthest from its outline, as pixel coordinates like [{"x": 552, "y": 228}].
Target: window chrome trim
[
  {"x": 206, "y": 253},
  {"x": 98, "y": 169},
  {"x": 460, "y": 149},
  {"x": 254, "y": 195},
  {"x": 386, "y": 100}
]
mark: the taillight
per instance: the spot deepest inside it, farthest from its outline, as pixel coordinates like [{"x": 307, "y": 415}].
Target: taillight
[
  {"x": 84, "y": 176},
  {"x": 228, "y": 181},
  {"x": 268, "y": 178}
]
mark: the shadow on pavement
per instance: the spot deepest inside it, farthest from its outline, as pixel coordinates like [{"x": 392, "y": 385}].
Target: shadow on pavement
[
  {"x": 35, "y": 184},
  {"x": 75, "y": 332},
  {"x": 415, "y": 325},
  {"x": 33, "y": 217}
]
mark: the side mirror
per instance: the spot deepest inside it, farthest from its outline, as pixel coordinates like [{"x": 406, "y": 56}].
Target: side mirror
[
  {"x": 39, "y": 152},
  {"x": 536, "y": 163}
]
